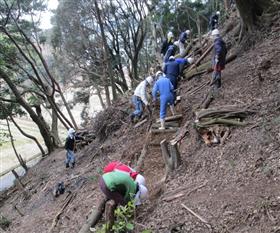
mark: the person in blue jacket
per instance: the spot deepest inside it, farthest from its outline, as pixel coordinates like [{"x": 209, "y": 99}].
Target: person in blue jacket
[
  {"x": 164, "y": 87},
  {"x": 218, "y": 58},
  {"x": 172, "y": 71},
  {"x": 170, "y": 52},
  {"x": 183, "y": 63},
  {"x": 182, "y": 41},
  {"x": 214, "y": 20}
]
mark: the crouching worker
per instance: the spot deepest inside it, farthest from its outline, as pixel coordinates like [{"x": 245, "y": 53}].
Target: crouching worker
[
  {"x": 70, "y": 145},
  {"x": 121, "y": 188},
  {"x": 140, "y": 97},
  {"x": 164, "y": 87},
  {"x": 118, "y": 166}
]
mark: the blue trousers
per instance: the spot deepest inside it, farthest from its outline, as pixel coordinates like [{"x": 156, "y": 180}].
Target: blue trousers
[
  {"x": 216, "y": 79},
  {"x": 137, "y": 102},
  {"x": 70, "y": 157},
  {"x": 174, "y": 82},
  {"x": 164, "y": 101}
]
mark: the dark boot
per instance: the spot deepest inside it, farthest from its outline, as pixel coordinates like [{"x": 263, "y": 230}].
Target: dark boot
[{"x": 67, "y": 165}]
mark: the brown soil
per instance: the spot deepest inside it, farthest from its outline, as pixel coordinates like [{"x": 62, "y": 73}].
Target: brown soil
[{"x": 234, "y": 186}]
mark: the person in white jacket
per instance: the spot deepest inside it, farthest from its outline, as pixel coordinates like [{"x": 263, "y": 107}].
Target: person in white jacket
[{"x": 140, "y": 97}]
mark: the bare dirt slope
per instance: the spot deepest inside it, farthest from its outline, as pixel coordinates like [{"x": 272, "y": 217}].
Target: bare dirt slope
[{"x": 235, "y": 186}]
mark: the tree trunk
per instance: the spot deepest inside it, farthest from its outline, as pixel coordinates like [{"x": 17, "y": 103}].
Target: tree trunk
[
  {"x": 55, "y": 128},
  {"x": 98, "y": 92},
  {"x": 106, "y": 51},
  {"x": 43, "y": 127},
  {"x": 20, "y": 160},
  {"x": 226, "y": 4},
  {"x": 28, "y": 136},
  {"x": 107, "y": 95},
  {"x": 249, "y": 11}
]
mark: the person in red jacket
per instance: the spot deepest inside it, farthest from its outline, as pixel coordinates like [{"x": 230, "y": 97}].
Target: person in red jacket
[{"x": 118, "y": 166}]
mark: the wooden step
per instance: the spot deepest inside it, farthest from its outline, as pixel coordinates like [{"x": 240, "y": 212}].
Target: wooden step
[{"x": 172, "y": 118}]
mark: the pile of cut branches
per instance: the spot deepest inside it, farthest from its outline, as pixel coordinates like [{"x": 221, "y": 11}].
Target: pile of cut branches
[{"x": 108, "y": 121}]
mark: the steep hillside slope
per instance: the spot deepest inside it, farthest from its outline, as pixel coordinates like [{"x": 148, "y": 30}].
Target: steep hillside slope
[{"x": 234, "y": 187}]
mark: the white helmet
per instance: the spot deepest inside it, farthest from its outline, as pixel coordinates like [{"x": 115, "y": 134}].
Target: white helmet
[
  {"x": 170, "y": 35},
  {"x": 71, "y": 131},
  {"x": 190, "y": 60},
  {"x": 188, "y": 32},
  {"x": 140, "y": 179},
  {"x": 150, "y": 80},
  {"x": 158, "y": 73},
  {"x": 141, "y": 195},
  {"x": 171, "y": 58},
  {"x": 215, "y": 32},
  {"x": 218, "y": 13}
]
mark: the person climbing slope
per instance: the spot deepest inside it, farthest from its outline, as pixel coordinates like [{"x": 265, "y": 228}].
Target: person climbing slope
[
  {"x": 140, "y": 97},
  {"x": 172, "y": 71},
  {"x": 166, "y": 43},
  {"x": 170, "y": 52},
  {"x": 182, "y": 41},
  {"x": 121, "y": 188},
  {"x": 118, "y": 166},
  {"x": 184, "y": 63},
  {"x": 70, "y": 145},
  {"x": 164, "y": 87},
  {"x": 214, "y": 20},
  {"x": 218, "y": 58}
]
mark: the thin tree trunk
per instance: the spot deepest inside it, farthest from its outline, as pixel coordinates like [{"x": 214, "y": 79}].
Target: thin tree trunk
[
  {"x": 98, "y": 92},
  {"x": 55, "y": 128},
  {"x": 106, "y": 51},
  {"x": 107, "y": 95},
  {"x": 20, "y": 160},
  {"x": 43, "y": 127},
  {"x": 28, "y": 136}
]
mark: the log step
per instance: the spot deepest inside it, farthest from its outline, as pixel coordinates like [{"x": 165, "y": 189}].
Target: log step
[
  {"x": 159, "y": 131},
  {"x": 171, "y": 118}
]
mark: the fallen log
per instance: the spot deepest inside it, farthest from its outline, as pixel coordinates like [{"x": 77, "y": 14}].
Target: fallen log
[
  {"x": 205, "y": 68},
  {"x": 182, "y": 133},
  {"x": 219, "y": 121},
  {"x": 171, "y": 118},
  {"x": 158, "y": 131},
  {"x": 202, "y": 56},
  {"x": 223, "y": 112},
  {"x": 94, "y": 216}
]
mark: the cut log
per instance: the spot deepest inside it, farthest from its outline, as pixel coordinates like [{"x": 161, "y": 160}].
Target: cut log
[
  {"x": 167, "y": 124},
  {"x": 202, "y": 56},
  {"x": 205, "y": 68},
  {"x": 219, "y": 121},
  {"x": 164, "y": 131},
  {"x": 172, "y": 118},
  {"x": 224, "y": 112},
  {"x": 94, "y": 217}
]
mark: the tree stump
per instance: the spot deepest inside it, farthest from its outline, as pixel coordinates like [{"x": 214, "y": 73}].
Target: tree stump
[{"x": 109, "y": 215}]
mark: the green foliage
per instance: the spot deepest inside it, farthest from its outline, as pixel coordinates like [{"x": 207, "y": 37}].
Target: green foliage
[
  {"x": 123, "y": 219},
  {"x": 4, "y": 135},
  {"x": 4, "y": 222}
]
